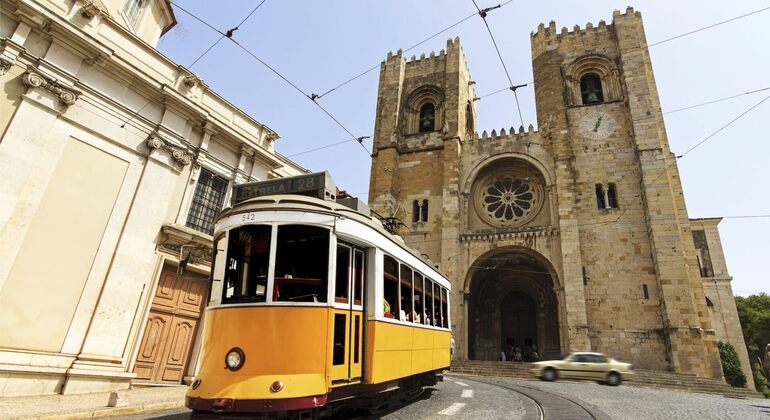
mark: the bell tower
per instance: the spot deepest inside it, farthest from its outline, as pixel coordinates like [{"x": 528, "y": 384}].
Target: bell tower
[
  {"x": 425, "y": 112},
  {"x": 619, "y": 193}
]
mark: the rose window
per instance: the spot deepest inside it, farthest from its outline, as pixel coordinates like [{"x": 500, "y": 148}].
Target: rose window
[{"x": 508, "y": 200}]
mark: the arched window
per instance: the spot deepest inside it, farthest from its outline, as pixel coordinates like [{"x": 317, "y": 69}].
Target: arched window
[
  {"x": 591, "y": 89},
  {"x": 612, "y": 197},
  {"x": 600, "y": 202},
  {"x": 419, "y": 211},
  {"x": 427, "y": 117}
]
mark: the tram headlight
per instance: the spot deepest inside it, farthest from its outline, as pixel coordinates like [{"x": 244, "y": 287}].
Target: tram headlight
[{"x": 234, "y": 359}]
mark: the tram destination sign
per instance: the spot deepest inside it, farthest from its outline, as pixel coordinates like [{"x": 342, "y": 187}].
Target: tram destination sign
[{"x": 319, "y": 185}]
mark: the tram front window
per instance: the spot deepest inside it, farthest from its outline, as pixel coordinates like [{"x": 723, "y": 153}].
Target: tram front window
[
  {"x": 301, "y": 264},
  {"x": 248, "y": 255}
]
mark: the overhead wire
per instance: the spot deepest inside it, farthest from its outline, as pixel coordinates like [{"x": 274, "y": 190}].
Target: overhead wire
[
  {"x": 323, "y": 147},
  {"x": 707, "y": 27},
  {"x": 716, "y": 100},
  {"x": 674, "y": 162},
  {"x": 229, "y": 33},
  {"x": 483, "y": 14},
  {"x": 312, "y": 98},
  {"x": 406, "y": 50}
]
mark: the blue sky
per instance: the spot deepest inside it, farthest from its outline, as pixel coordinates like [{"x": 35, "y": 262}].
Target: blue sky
[{"x": 320, "y": 44}]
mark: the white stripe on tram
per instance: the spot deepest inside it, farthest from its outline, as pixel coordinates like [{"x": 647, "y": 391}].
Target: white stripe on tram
[
  {"x": 452, "y": 409},
  {"x": 467, "y": 393}
]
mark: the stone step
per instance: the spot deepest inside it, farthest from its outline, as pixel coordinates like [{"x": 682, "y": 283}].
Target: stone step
[{"x": 124, "y": 402}]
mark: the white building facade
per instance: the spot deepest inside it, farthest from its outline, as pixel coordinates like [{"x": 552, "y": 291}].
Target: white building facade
[{"x": 114, "y": 160}]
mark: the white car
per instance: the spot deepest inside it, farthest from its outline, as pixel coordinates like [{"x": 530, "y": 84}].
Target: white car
[{"x": 584, "y": 365}]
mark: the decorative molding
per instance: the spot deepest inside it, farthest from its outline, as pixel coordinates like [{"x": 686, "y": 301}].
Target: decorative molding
[
  {"x": 523, "y": 234},
  {"x": 89, "y": 10},
  {"x": 33, "y": 77},
  {"x": 5, "y": 65},
  {"x": 179, "y": 154},
  {"x": 174, "y": 236}
]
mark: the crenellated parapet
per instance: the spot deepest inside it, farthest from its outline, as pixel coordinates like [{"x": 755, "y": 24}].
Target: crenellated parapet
[
  {"x": 548, "y": 37},
  {"x": 511, "y": 135}
]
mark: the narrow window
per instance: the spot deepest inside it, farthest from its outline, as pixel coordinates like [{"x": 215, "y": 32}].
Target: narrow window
[
  {"x": 427, "y": 117},
  {"x": 424, "y": 213},
  {"x": 390, "y": 287},
  {"x": 301, "y": 264},
  {"x": 436, "y": 305},
  {"x": 415, "y": 211},
  {"x": 645, "y": 291},
  {"x": 356, "y": 338},
  {"x": 612, "y": 197},
  {"x": 343, "y": 274},
  {"x": 207, "y": 201},
  {"x": 406, "y": 313},
  {"x": 709, "y": 302},
  {"x": 419, "y": 298},
  {"x": 600, "y": 203},
  {"x": 591, "y": 89},
  {"x": 358, "y": 276},
  {"x": 444, "y": 308},
  {"x": 132, "y": 8},
  {"x": 338, "y": 353},
  {"x": 218, "y": 266},
  {"x": 428, "y": 302},
  {"x": 248, "y": 255},
  {"x": 469, "y": 126}
]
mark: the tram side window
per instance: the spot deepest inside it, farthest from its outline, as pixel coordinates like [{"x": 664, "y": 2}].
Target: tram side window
[
  {"x": 358, "y": 276},
  {"x": 217, "y": 270},
  {"x": 444, "y": 308},
  {"x": 436, "y": 305},
  {"x": 390, "y": 284},
  {"x": 343, "y": 274},
  {"x": 301, "y": 264},
  {"x": 428, "y": 302},
  {"x": 248, "y": 256},
  {"x": 419, "y": 314},
  {"x": 406, "y": 293}
]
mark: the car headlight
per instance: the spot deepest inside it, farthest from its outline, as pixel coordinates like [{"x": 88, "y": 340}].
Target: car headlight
[{"x": 234, "y": 359}]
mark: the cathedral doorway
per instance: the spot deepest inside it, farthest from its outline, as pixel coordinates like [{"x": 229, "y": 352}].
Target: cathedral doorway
[{"x": 512, "y": 304}]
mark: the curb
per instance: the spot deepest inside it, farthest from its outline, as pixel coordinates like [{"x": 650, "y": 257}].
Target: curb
[{"x": 113, "y": 411}]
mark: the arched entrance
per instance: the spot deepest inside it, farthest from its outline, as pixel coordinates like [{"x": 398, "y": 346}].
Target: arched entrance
[{"x": 512, "y": 302}]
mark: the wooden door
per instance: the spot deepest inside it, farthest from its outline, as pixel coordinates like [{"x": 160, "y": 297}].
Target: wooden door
[{"x": 171, "y": 326}]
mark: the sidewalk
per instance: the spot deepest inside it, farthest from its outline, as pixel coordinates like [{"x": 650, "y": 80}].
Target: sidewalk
[{"x": 102, "y": 404}]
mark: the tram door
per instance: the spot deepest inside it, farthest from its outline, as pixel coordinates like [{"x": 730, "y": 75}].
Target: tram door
[{"x": 347, "y": 353}]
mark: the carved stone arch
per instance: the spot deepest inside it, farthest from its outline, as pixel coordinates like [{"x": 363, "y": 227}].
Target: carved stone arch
[
  {"x": 415, "y": 101},
  {"x": 600, "y": 65}
]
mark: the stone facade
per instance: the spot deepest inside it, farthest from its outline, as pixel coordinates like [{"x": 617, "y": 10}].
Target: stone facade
[
  {"x": 582, "y": 221},
  {"x": 104, "y": 144}
]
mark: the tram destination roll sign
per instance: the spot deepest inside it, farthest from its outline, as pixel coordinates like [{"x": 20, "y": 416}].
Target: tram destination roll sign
[{"x": 319, "y": 185}]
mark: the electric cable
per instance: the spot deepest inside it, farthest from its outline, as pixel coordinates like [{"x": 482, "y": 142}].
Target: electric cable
[
  {"x": 227, "y": 34},
  {"x": 312, "y": 97},
  {"x": 707, "y": 27},
  {"x": 716, "y": 100},
  {"x": 375, "y": 67},
  {"x": 483, "y": 13}
]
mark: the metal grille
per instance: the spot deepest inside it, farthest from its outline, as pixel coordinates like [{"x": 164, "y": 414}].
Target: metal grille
[{"x": 207, "y": 202}]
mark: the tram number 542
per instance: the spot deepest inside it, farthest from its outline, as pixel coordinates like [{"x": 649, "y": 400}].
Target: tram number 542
[{"x": 248, "y": 217}]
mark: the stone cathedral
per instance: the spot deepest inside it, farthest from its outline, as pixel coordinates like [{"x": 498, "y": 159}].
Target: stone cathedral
[{"x": 572, "y": 237}]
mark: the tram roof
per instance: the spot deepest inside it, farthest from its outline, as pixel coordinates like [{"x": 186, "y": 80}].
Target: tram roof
[{"x": 301, "y": 202}]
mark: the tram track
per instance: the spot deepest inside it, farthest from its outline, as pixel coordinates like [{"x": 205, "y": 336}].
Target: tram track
[{"x": 550, "y": 406}]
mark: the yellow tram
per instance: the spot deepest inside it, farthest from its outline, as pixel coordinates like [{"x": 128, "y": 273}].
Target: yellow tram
[{"x": 313, "y": 302}]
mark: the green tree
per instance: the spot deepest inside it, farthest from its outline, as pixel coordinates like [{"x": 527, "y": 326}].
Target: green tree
[
  {"x": 730, "y": 365},
  {"x": 754, "y": 314}
]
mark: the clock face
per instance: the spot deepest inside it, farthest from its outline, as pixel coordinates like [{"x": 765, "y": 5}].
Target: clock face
[{"x": 597, "y": 125}]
